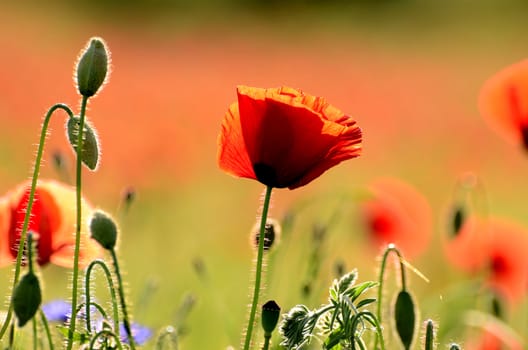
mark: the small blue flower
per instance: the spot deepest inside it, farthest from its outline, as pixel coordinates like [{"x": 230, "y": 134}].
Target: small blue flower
[
  {"x": 57, "y": 310},
  {"x": 140, "y": 333}
]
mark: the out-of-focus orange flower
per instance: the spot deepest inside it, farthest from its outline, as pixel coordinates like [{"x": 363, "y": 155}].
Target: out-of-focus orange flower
[
  {"x": 284, "y": 138},
  {"x": 493, "y": 337},
  {"x": 397, "y": 213},
  {"x": 53, "y": 219},
  {"x": 504, "y": 102},
  {"x": 497, "y": 248}
]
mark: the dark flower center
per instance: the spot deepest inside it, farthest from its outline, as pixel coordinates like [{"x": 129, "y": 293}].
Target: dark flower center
[{"x": 266, "y": 174}]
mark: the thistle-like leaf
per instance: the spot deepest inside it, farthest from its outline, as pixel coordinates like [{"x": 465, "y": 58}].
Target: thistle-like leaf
[{"x": 297, "y": 327}]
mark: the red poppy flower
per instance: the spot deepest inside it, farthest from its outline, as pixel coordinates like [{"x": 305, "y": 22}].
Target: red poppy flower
[
  {"x": 53, "y": 219},
  {"x": 496, "y": 247},
  {"x": 284, "y": 138},
  {"x": 397, "y": 213},
  {"x": 493, "y": 337},
  {"x": 504, "y": 102}
]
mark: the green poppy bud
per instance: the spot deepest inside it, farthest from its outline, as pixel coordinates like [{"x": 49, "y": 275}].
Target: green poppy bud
[
  {"x": 454, "y": 347},
  {"x": 270, "y": 316},
  {"x": 103, "y": 229},
  {"x": 90, "y": 144},
  {"x": 405, "y": 317},
  {"x": 92, "y": 67},
  {"x": 26, "y": 298},
  {"x": 429, "y": 335}
]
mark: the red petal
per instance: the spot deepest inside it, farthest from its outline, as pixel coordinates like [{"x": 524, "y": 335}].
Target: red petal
[
  {"x": 284, "y": 133},
  {"x": 232, "y": 154},
  {"x": 503, "y": 101}
]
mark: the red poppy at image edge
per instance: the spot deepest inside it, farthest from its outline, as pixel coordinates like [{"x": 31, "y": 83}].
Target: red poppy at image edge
[
  {"x": 503, "y": 102},
  {"x": 283, "y": 137},
  {"x": 492, "y": 337},
  {"x": 397, "y": 213},
  {"x": 53, "y": 220},
  {"x": 497, "y": 248}
]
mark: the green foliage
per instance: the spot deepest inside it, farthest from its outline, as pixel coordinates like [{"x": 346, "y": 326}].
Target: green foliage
[{"x": 342, "y": 322}]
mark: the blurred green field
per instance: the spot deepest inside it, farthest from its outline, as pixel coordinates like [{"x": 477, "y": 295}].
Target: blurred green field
[{"x": 408, "y": 71}]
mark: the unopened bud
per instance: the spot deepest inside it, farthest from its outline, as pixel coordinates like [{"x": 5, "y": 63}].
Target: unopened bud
[
  {"x": 429, "y": 335},
  {"x": 270, "y": 316},
  {"x": 454, "y": 347},
  {"x": 103, "y": 229},
  {"x": 26, "y": 298},
  {"x": 405, "y": 317},
  {"x": 90, "y": 143},
  {"x": 92, "y": 67}
]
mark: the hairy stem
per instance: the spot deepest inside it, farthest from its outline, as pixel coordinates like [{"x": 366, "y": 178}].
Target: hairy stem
[
  {"x": 36, "y": 171},
  {"x": 258, "y": 270},
  {"x": 126, "y": 322},
  {"x": 78, "y": 188}
]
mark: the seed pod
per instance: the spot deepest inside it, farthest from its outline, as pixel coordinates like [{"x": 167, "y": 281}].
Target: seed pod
[
  {"x": 26, "y": 298},
  {"x": 270, "y": 316},
  {"x": 90, "y": 144},
  {"x": 103, "y": 229},
  {"x": 405, "y": 317},
  {"x": 92, "y": 67},
  {"x": 272, "y": 232}
]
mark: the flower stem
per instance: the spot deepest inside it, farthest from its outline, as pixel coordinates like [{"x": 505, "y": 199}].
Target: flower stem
[
  {"x": 111, "y": 289},
  {"x": 390, "y": 248},
  {"x": 258, "y": 270},
  {"x": 78, "y": 188},
  {"x": 45, "y": 323},
  {"x": 126, "y": 322},
  {"x": 36, "y": 170}
]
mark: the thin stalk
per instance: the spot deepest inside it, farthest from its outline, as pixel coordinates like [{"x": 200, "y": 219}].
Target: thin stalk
[
  {"x": 267, "y": 338},
  {"x": 34, "y": 329},
  {"x": 36, "y": 170},
  {"x": 45, "y": 323},
  {"x": 258, "y": 270},
  {"x": 110, "y": 283},
  {"x": 78, "y": 188},
  {"x": 390, "y": 248},
  {"x": 105, "y": 333},
  {"x": 126, "y": 322}
]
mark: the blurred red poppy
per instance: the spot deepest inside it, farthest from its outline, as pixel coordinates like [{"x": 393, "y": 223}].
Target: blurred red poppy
[
  {"x": 283, "y": 137},
  {"x": 497, "y": 248},
  {"x": 503, "y": 102},
  {"x": 397, "y": 213},
  {"x": 53, "y": 219},
  {"x": 493, "y": 337}
]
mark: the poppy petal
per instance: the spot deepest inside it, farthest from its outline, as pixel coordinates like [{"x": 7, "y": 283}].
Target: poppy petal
[
  {"x": 504, "y": 104},
  {"x": 232, "y": 155},
  {"x": 288, "y": 143}
]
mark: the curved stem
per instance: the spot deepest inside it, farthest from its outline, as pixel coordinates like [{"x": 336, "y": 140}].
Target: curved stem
[
  {"x": 36, "y": 170},
  {"x": 105, "y": 333},
  {"x": 45, "y": 323},
  {"x": 390, "y": 248},
  {"x": 110, "y": 283},
  {"x": 126, "y": 322},
  {"x": 78, "y": 188},
  {"x": 258, "y": 270}
]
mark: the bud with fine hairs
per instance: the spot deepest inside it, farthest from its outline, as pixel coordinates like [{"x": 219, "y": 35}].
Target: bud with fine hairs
[
  {"x": 92, "y": 67},
  {"x": 103, "y": 229}
]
